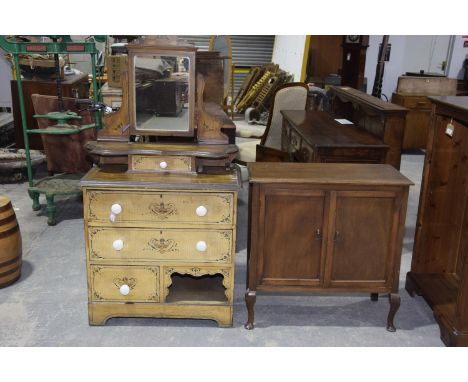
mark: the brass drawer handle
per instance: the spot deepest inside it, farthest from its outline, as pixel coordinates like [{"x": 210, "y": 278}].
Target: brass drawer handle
[
  {"x": 337, "y": 237},
  {"x": 318, "y": 234}
]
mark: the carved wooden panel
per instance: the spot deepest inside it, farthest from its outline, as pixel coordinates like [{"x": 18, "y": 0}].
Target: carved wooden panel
[
  {"x": 197, "y": 271},
  {"x": 106, "y": 283},
  {"x": 163, "y": 244},
  {"x": 161, "y": 207}
]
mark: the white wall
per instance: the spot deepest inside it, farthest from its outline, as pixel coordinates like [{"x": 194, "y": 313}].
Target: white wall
[
  {"x": 393, "y": 68},
  {"x": 288, "y": 53},
  {"x": 459, "y": 55},
  {"x": 412, "y": 53},
  {"x": 5, "y": 77}
]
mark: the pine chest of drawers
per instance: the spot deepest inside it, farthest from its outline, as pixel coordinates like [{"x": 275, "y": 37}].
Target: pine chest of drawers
[{"x": 160, "y": 245}]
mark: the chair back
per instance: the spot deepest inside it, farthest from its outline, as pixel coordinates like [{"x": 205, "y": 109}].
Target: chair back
[{"x": 291, "y": 96}]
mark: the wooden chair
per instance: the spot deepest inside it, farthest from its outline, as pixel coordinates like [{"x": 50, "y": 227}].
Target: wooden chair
[{"x": 291, "y": 96}]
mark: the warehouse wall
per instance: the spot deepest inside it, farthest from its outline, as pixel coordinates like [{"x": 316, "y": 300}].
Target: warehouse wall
[
  {"x": 5, "y": 77},
  {"x": 460, "y": 53},
  {"x": 288, "y": 53},
  {"x": 404, "y": 59}
]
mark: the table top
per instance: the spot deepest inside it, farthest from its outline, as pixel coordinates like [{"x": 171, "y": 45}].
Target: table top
[
  {"x": 327, "y": 174},
  {"x": 320, "y": 129}
]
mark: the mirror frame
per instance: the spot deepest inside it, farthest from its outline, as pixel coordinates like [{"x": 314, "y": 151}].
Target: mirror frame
[{"x": 152, "y": 50}]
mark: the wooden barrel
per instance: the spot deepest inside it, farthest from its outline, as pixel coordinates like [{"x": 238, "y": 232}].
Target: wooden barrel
[{"x": 10, "y": 244}]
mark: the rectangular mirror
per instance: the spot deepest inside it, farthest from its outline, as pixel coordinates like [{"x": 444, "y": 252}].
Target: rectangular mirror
[{"x": 163, "y": 94}]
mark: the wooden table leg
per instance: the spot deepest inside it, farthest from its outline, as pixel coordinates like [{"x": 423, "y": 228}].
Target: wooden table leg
[
  {"x": 250, "y": 298},
  {"x": 394, "y": 299}
]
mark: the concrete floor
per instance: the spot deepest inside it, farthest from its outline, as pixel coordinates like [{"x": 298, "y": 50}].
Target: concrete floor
[{"x": 48, "y": 305}]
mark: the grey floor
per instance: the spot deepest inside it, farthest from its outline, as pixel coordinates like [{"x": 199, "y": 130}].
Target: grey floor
[{"x": 48, "y": 305}]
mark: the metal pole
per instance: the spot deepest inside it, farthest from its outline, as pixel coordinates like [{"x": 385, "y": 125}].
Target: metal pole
[
  {"x": 95, "y": 90},
  {"x": 23, "y": 118}
]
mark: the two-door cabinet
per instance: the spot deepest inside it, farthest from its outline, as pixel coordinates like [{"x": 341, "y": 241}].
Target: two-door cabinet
[
  {"x": 439, "y": 268},
  {"x": 325, "y": 227}
]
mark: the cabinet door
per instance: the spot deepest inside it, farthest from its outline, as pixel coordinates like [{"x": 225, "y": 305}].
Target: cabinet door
[
  {"x": 362, "y": 239},
  {"x": 291, "y": 243}
]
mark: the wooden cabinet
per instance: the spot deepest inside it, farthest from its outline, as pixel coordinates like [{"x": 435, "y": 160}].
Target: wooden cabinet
[
  {"x": 325, "y": 227},
  {"x": 439, "y": 269},
  {"x": 417, "y": 119},
  {"x": 384, "y": 120},
  {"x": 315, "y": 136},
  {"x": 74, "y": 86},
  {"x": 160, "y": 245}
]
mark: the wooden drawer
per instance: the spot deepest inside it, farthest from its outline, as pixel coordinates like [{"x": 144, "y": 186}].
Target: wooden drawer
[
  {"x": 413, "y": 102},
  {"x": 108, "y": 283},
  {"x": 295, "y": 141},
  {"x": 154, "y": 207},
  {"x": 153, "y": 244},
  {"x": 306, "y": 153},
  {"x": 160, "y": 163}
]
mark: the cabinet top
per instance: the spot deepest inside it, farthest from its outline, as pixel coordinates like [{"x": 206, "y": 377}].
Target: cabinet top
[
  {"x": 456, "y": 102},
  {"x": 327, "y": 173},
  {"x": 347, "y": 93},
  {"x": 228, "y": 181}
]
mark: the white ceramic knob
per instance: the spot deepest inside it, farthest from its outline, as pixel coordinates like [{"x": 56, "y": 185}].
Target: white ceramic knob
[
  {"x": 116, "y": 209},
  {"x": 124, "y": 290},
  {"x": 112, "y": 218},
  {"x": 201, "y": 246},
  {"x": 163, "y": 164},
  {"x": 118, "y": 244},
  {"x": 201, "y": 211}
]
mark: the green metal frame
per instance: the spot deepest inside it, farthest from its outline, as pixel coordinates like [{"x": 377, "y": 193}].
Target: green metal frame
[{"x": 61, "y": 184}]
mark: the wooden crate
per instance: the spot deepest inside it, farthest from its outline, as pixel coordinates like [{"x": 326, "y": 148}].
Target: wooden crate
[{"x": 427, "y": 85}]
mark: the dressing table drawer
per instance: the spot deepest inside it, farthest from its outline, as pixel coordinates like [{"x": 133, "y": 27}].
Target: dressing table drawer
[
  {"x": 163, "y": 163},
  {"x": 175, "y": 245},
  {"x": 124, "y": 283},
  {"x": 154, "y": 208}
]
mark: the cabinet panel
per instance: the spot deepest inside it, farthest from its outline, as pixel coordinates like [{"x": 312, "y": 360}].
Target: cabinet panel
[
  {"x": 161, "y": 207},
  {"x": 125, "y": 283},
  {"x": 292, "y": 237},
  {"x": 176, "y": 245},
  {"x": 417, "y": 129},
  {"x": 447, "y": 190},
  {"x": 360, "y": 238}
]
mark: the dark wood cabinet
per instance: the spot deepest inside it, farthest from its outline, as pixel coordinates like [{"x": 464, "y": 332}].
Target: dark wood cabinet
[
  {"x": 325, "y": 227},
  {"x": 439, "y": 268},
  {"x": 75, "y": 86},
  {"x": 354, "y": 61},
  {"x": 417, "y": 119},
  {"x": 315, "y": 136},
  {"x": 384, "y": 120}
]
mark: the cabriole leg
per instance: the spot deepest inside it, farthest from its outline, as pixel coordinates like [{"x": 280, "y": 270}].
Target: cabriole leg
[
  {"x": 250, "y": 298},
  {"x": 394, "y": 299}
]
